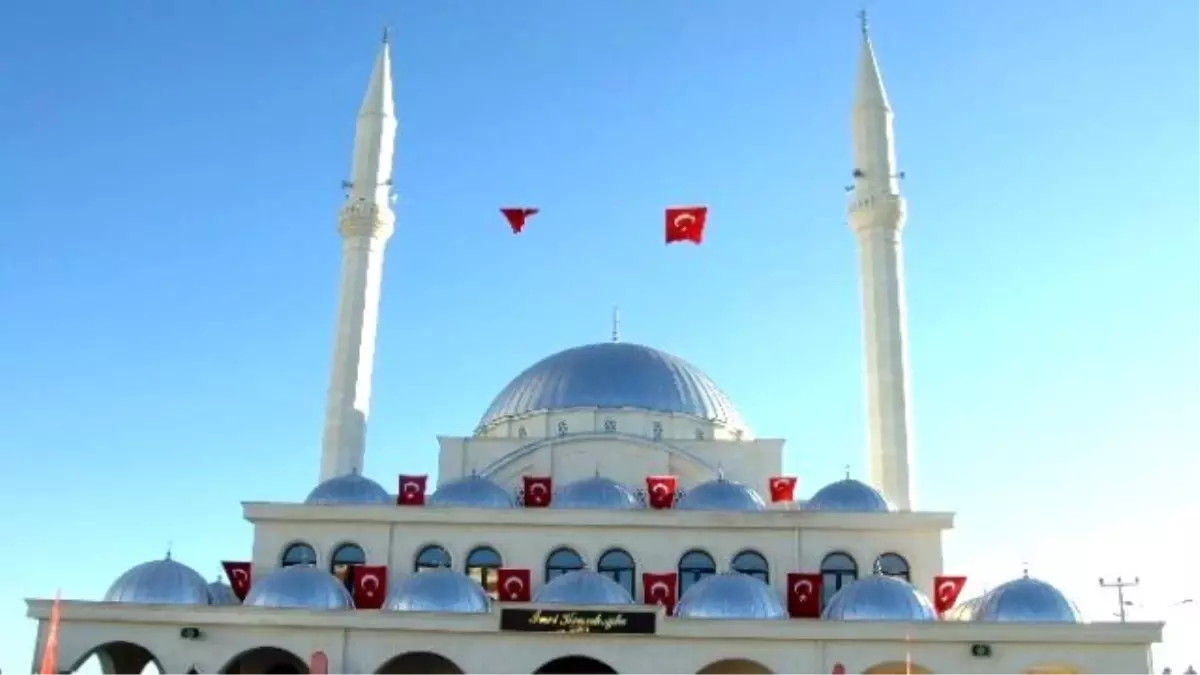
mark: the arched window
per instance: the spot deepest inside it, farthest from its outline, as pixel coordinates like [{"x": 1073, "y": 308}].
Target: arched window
[
  {"x": 343, "y": 559},
  {"x": 837, "y": 570},
  {"x": 431, "y": 557},
  {"x": 694, "y": 566},
  {"x": 893, "y": 565},
  {"x": 619, "y": 566},
  {"x": 482, "y": 564},
  {"x": 561, "y": 561},
  {"x": 298, "y": 554},
  {"x": 752, "y": 563}
]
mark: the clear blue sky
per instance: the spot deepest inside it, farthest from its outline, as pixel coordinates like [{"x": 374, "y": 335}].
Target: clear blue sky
[{"x": 169, "y": 257}]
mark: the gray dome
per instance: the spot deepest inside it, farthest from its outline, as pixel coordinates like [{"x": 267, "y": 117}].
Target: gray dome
[
  {"x": 472, "y": 491},
  {"x": 849, "y": 496},
  {"x": 731, "y": 595},
  {"x": 299, "y": 587},
  {"x": 438, "y": 590},
  {"x": 160, "y": 582},
  {"x": 583, "y": 587},
  {"x": 595, "y": 493},
  {"x": 720, "y": 495},
  {"x": 1026, "y": 600},
  {"x": 964, "y": 611},
  {"x": 349, "y": 489},
  {"x": 879, "y": 598},
  {"x": 613, "y": 375},
  {"x": 219, "y": 593}
]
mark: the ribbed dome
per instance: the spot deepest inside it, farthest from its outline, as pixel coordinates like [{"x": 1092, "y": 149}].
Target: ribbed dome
[
  {"x": 438, "y": 590},
  {"x": 160, "y": 582},
  {"x": 1026, "y": 600},
  {"x": 349, "y": 490},
  {"x": 849, "y": 496},
  {"x": 299, "y": 587},
  {"x": 613, "y": 375},
  {"x": 219, "y": 593},
  {"x": 473, "y": 491},
  {"x": 963, "y": 611},
  {"x": 583, "y": 587},
  {"x": 731, "y": 595},
  {"x": 595, "y": 493},
  {"x": 879, "y": 598},
  {"x": 720, "y": 495}
]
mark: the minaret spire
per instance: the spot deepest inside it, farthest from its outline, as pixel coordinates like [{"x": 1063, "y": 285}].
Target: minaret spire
[
  {"x": 877, "y": 215},
  {"x": 366, "y": 222}
]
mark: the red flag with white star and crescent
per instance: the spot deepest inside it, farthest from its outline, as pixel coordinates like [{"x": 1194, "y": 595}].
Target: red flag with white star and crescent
[
  {"x": 686, "y": 223},
  {"x": 238, "y": 573},
  {"x": 945, "y": 592},
  {"x": 370, "y": 585},
  {"x": 513, "y": 585}
]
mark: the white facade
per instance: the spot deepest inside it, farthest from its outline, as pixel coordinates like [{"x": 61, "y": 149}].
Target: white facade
[{"x": 618, "y": 413}]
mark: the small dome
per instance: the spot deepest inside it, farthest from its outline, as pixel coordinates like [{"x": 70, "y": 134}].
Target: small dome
[
  {"x": 879, "y": 598},
  {"x": 219, "y": 593},
  {"x": 731, "y": 595},
  {"x": 349, "y": 490},
  {"x": 160, "y": 582},
  {"x": 849, "y": 496},
  {"x": 438, "y": 590},
  {"x": 299, "y": 587},
  {"x": 595, "y": 493},
  {"x": 963, "y": 611},
  {"x": 473, "y": 491},
  {"x": 583, "y": 587},
  {"x": 720, "y": 495},
  {"x": 1026, "y": 600}
]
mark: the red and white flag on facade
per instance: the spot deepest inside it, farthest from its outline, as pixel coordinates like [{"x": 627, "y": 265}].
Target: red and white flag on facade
[
  {"x": 945, "y": 592},
  {"x": 661, "y": 589},
  {"x": 412, "y": 490},
  {"x": 660, "y": 491},
  {"x": 238, "y": 573},
  {"x": 370, "y": 585},
  {"x": 537, "y": 491},
  {"x": 783, "y": 488},
  {"x": 804, "y": 595},
  {"x": 513, "y": 585}
]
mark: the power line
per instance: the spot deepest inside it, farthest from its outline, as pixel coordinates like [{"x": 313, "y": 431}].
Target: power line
[{"x": 1120, "y": 585}]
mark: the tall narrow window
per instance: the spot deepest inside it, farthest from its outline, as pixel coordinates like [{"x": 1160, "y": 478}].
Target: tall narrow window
[
  {"x": 562, "y": 428},
  {"x": 837, "y": 570},
  {"x": 893, "y": 565},
  {"x": 619, "y": 566},
  {"x": 298, "y": 554},
  {"x": 561, "y": 561},
  {"x": 482, "y": 565},
  {"x": 752, "y": 563},
  {"x": 343, "y": 560},
  {"x": 430, "y": 557},
  {"x": 694, "y": 566}
]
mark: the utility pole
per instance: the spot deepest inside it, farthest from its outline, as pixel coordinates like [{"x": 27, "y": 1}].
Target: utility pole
[{"x": 1120, "y": 585}]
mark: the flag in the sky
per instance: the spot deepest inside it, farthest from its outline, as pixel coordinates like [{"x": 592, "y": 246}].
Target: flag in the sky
[
  {"x": 516, "y": 217},
  {"x": 686, "y": 223}
]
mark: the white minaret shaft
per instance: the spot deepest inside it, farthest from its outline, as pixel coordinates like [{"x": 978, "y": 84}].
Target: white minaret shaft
[
  {"x": 365, "y": 223},
  {"x": 877, "y": 214}
]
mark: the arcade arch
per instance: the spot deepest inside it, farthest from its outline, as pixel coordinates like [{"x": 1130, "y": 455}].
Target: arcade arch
[
  {"x": 897, "y": 668},
  {"x": 267, "y": 660},
  {"x": 571, "y": 665},
  {"x": 735, "y": 667},
  {"x": 118, "y": 657},
  {"x": 420, "y": 662}
]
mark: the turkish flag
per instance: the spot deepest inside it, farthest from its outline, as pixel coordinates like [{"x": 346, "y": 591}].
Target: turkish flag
[
  {"x": 513, "y": 584},
  {"x": 412, "y": 490},
  {"x": 945, "y": 592},
  {"x": 783, "y": 488},
  {"x": 537, "y": 491},
  {"x": 516, "y": 217},
  {"x": 660, "y": 491},
  {"x": 370, "y": 585},
  {"x": 804, "y": 595},
  {"x": 686, "y": 223},
  {"x": 660, "y": 589},
  {"x": 238, "y": 574}
]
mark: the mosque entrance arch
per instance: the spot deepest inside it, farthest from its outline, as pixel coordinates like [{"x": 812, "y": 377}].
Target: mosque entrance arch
[
  {"x": 420, "y": 662},
  {"x": 266, "y": 660},
  {"x": 734, "y": 667},
  {"x": 583, "y": 665},
  {"x": 897, "y": 668},
  {"x": 118, "y": 657}
]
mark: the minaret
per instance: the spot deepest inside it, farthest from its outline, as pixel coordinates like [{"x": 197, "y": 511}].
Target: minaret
[
  {"x": 365, "y": 223},
  {"x": 877, "y": 214}
]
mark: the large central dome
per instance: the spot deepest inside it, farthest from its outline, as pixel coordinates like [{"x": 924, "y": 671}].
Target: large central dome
[{"x": 613, "y": 375}]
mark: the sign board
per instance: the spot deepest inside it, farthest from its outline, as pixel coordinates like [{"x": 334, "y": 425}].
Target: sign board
[{"x": 597, "y": 622}]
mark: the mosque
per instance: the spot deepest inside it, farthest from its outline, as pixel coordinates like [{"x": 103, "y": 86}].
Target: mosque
[{"x": 611, "y": 513}]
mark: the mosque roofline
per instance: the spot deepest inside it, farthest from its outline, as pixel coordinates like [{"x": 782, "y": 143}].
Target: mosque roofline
[
  {"x": 770, "y": 629},
  {"x": 575, "y": 518}
]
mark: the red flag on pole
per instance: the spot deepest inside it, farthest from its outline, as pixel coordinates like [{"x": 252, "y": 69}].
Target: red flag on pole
[
  {"x": 50, "y": 654},
  {"x": 783, "y": 488},
  {"x": 945, "y": 592},
  {"x": 516, "y": 217},
  {"x": 412, "y": 490},
  {"x": 660, "y": 491},
  {"x": 370, "y": 585},
  {"x": 804, "y": 595},
  {"x": 661, "y": 589},
  {"x": 238, "y": 574},
  {"x": 514, "y": 584},
  {"x": 537, "y": 491},
  {"x": 686, "y": 223}
]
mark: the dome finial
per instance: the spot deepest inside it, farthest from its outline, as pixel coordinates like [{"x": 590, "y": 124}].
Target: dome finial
[
  {"x": 170, "y": 545},
  {"x": 847, "y": 472},
  {"x": 1025, "y": 569},
  {"x": 862, "y": 19},
  {"x": 616, "y": 324},
  {"x": 387, "y": 34}
]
